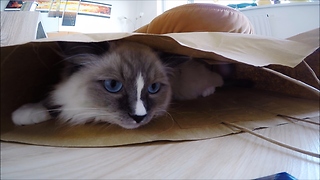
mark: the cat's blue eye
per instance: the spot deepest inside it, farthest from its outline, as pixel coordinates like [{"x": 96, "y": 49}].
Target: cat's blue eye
[
  {"x": 154, "y": 88},
  {"x": 112, "y": 85}
]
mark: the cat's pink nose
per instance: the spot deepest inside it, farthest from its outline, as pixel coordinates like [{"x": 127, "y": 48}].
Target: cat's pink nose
[{"x": 136, "y": 118}]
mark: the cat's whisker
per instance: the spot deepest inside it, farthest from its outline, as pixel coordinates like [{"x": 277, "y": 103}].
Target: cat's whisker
[
  {"x": 81, "y": 109},
  {"x": 85, "y": 109},
  {"x": 92, "y": 115},
  {"x": 70, "y": 109},
  {"x": 167, "y": 114},
  {"x": 134, "y": 64},
  {"x": 84, "y": 116}
]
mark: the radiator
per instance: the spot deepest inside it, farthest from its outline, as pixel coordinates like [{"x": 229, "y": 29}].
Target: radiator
[{"x": 261, "y": 24}]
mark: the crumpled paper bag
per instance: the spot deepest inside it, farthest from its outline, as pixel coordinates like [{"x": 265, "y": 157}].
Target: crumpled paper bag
[{"x": 28, "y": 71}]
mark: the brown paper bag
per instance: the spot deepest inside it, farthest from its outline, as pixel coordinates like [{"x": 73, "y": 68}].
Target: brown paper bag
[{"x": 29, "y": 70}]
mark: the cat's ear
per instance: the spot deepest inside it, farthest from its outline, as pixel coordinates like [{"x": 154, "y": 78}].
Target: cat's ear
[
  {"x": 77, "y": 55},
  {"x": 76, "y": 48},
  {"x": 172, "y": 60}
]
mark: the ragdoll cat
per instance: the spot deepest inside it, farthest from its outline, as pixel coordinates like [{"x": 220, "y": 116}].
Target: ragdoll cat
[
  {"x": 192, "y": 79},
  {"x": 119, "y": 82}
]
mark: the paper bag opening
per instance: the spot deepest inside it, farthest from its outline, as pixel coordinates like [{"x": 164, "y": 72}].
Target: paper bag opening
[{"x": 29, "y": 71}]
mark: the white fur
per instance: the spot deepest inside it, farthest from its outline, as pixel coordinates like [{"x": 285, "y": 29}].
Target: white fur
[
  {"x": 140, "y": 110},
  {"x": 30, "y": 114},
  {"x": 193, "y": 79},
  {"x": 72, "y": 95},
  {"x": 208, "y": 91}
]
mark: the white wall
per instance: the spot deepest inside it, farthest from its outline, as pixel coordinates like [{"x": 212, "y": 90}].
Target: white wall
[
  {"x": 285, "y": 20},
  {"x": 125, "y": 17},
  {"x": 91, "y": 24},
  {"x": 149, "y": 9},
  {"x": 3, "y": 4}
]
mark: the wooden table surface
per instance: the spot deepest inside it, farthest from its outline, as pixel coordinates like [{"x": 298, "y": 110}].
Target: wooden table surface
[
  {"x": 18, "y": 27},
  {"x": 240, "y": 156}
]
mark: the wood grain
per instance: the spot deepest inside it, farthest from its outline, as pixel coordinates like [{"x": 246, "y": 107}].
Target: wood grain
[
  {"x": 240, "y": 156},
  {"x": 18, "y": 27}
]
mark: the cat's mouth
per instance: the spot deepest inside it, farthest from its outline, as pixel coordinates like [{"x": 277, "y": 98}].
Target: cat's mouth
[
  {"x": 137, "y": 118},
  {"x": 124, "y": 120},
  {"x": 135, "y": 121}
]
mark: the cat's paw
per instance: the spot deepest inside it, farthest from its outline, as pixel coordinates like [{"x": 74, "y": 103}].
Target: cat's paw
[
  {"x": 208, "y": 91},
  {"x": 30, "y": 114}
]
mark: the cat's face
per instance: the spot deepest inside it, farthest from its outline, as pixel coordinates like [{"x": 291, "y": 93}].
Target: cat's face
[{"x": 127, "y": 86}]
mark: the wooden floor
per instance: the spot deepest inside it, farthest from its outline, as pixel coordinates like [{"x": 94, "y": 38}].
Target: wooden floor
[{"x": 241, "y": 156}]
